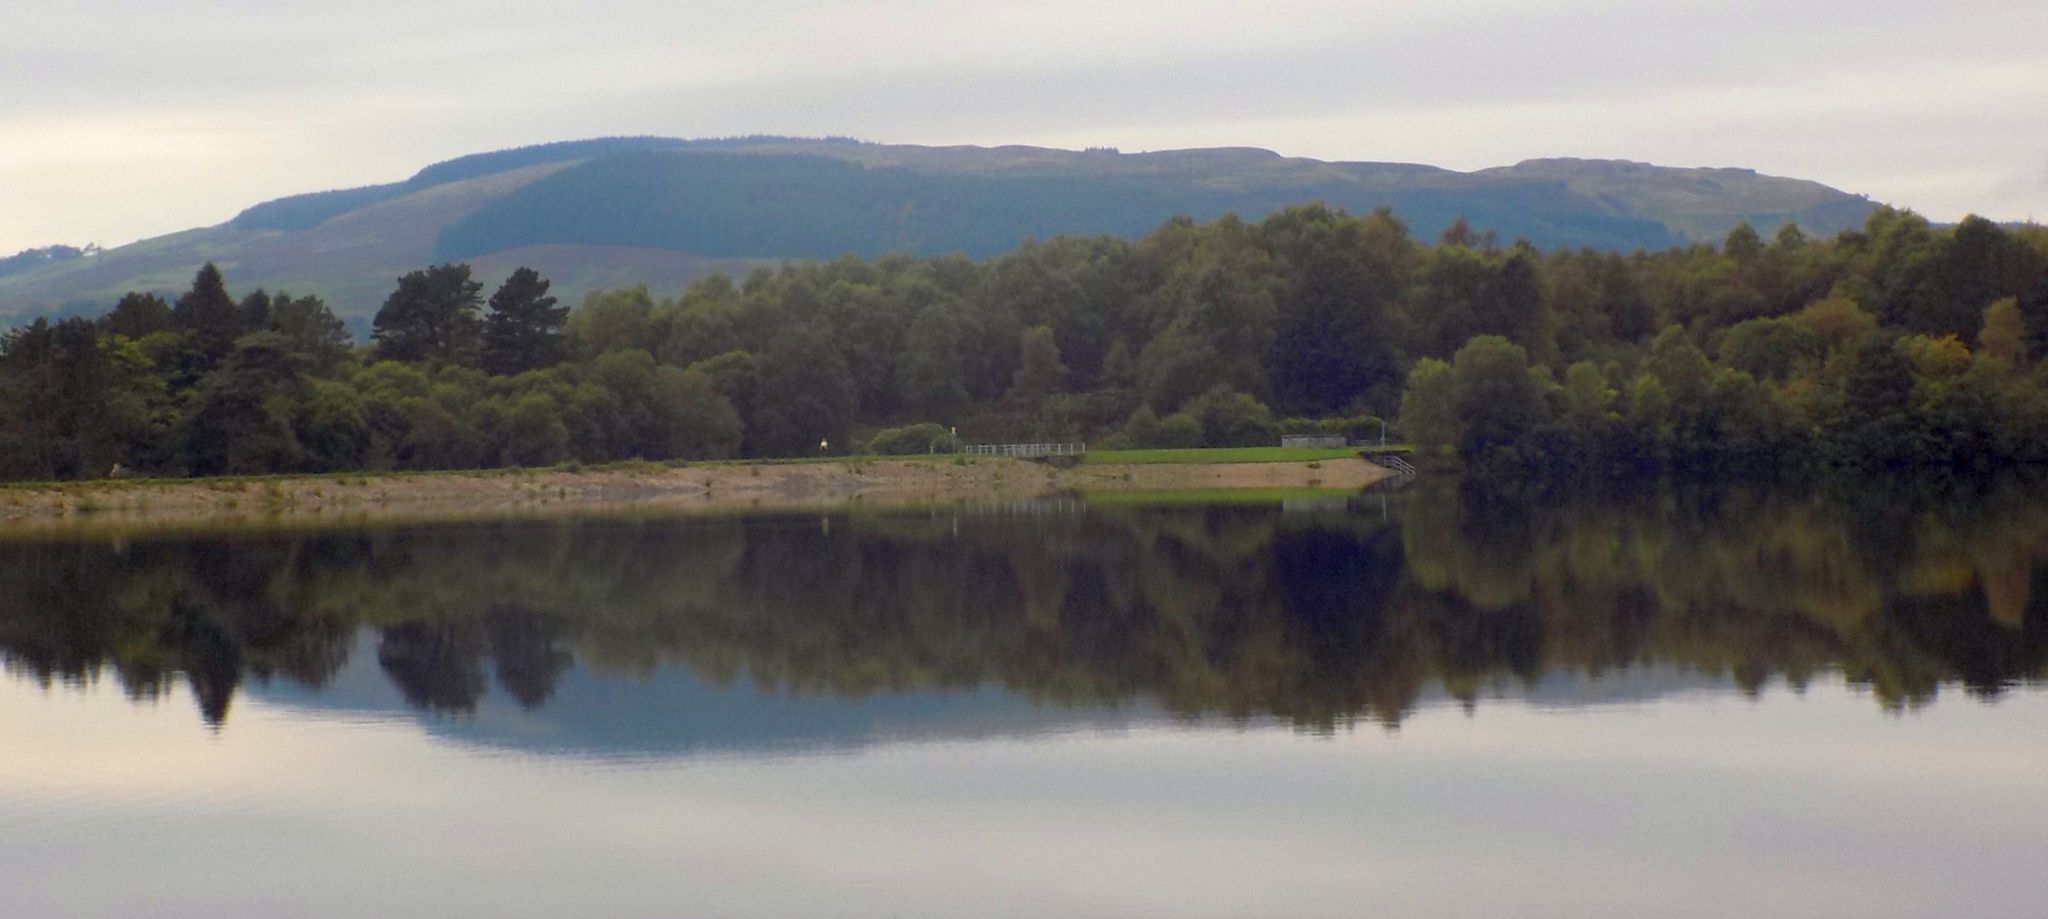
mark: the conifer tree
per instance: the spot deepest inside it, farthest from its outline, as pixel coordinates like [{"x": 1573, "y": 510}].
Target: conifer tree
[
  {"x": 432, "y": 316},
  {"x": 523, "y": 330},
  {"x": 208, "y": 316}
]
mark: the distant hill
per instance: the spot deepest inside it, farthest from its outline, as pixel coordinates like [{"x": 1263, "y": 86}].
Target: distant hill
[
  {"x": 618, "y": 211},
  {"x": 28, "y": 259}
]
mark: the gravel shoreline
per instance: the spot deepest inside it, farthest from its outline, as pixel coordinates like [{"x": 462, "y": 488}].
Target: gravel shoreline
[{"x": 545, "y": 492}]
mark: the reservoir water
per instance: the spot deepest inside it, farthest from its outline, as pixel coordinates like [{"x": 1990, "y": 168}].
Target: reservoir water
[{"x": 1429, "y": 704}]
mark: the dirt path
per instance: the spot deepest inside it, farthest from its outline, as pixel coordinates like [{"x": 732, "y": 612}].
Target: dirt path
[{"x": 710, "y": 486}]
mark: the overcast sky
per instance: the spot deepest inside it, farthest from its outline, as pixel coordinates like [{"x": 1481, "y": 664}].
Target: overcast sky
[{"x": 123, "y": 119}]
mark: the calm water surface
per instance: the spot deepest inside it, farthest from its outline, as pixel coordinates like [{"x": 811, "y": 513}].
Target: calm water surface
[{"x": 1426, "y": 705}]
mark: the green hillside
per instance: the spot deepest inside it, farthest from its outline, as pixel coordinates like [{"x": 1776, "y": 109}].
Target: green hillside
[{"x": 621, "y": 211}]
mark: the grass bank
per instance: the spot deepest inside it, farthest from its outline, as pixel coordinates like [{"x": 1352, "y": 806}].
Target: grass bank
[
  {"x": 1207, "y": 455},
  {"x": 1214, "y": 496}
]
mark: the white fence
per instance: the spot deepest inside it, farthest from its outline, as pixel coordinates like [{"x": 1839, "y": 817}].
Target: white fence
[
  {"x": 1393, "y": 461},
  {"x": 1024, "y": 450}
]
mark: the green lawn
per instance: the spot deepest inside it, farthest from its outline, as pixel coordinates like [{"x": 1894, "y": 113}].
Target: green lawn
[
  {"x": 1216, "y": 455},
  {"x": 1208, "y": 496}
]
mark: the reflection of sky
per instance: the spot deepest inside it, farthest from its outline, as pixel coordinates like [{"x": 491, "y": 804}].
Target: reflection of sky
[
  {"x": 1688, "y": 805},
  {"x": 672, "y": 711}
]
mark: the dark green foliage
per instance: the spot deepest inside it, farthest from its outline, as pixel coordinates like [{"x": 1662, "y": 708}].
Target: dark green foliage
[
  {"x": 332, "y": 427},
  {"x": 1229, "y": 418},
  {"x": 1465, "y": 293},
  {"x": 253, "y": 313},
  {"x": 615, "y": 320},
  {"x": 806, "y": 403},
  {"x": 1040, "y": 372},
  {"x": 1941, "y": 283},
  {"x": 1141, "y": 430},
  {"x": 310, "y": 331},
  {"x": 1878, "y": 381},
  {"x": 693, "y": 420},
  {"x": 1334, "y": 333},
  {"x": 244, "y": 421},
  {"x": 1763, "y": 357},
  {"x": 1429, "y": 406},
  {"x": 535, "y": 434},
  {"x": 138, "y": 315},
  {"x": 1771, "y": 349},
  {"x": 432, "y": 316},
  {"x": 1498, "y": 402},
  {"x": 75, "y": 406},
  {"x": 927, "y": 437},
  {"x": 2034, "y": 312},
  {"x": 208, "y": 318},
  {"x": 1177, "y": 431},
  {"x": 931, "y": 377},
  {"x": 523, "y": 330}
]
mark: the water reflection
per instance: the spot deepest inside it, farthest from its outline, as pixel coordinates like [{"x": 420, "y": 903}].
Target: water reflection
[
  {"x": 1046, "y": 659},
  {"x": 1310, "y": 613}
]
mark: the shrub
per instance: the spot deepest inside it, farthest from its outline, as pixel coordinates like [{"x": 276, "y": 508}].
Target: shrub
[
  {"x": 927, "y": 437},
  {"x": 1357, "y": 428},
  {"x": 1179, "y": 431},
  {"x": 1229, "y": 418},
  {"x": 1142, "y": 430}
]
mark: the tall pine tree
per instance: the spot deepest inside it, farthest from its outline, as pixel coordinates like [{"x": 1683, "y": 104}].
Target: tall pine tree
[
  {"x": 524, "y": 328},
  {"x": 208, "y": 316},
  {"x": 432, "y": 316}
]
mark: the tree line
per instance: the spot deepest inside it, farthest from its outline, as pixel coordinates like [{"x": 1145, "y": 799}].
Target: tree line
[
  {"x": 1899, "y": 346},
  {"x": 1900, "y": 342}
]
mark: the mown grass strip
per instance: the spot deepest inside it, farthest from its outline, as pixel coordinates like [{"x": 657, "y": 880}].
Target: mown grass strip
[
  {"x": 1211, "y": 496},
  {"x": 1202, "y": 455}
]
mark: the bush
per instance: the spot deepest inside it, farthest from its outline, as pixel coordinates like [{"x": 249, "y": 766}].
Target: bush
[
  {"x": 1228, "y": 418},
  {"x": 1357, "y": 429},
  {"x": 927, "y": 437},
  {"x": 1147, "y": 431},
  {"x": 1179, "y": 431},
  {"x": 1142, "y": 430}
]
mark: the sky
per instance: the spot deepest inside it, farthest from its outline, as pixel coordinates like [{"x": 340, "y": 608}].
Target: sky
[{"x": 126, "y": 119}]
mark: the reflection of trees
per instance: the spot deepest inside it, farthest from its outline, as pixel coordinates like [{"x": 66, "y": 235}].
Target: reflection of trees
[
  {"x": 528, "y": 650},
  {"x": 1900, "y": 598},
  {"x": 437, "y": 665},
  {"x": 1234, "y": 611},
  {"x": 203, "y": 609}
]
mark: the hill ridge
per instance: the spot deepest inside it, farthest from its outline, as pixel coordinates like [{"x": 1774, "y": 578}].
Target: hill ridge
[{"x": 609, "y": 211}]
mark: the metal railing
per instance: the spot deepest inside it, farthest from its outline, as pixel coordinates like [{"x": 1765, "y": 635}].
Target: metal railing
[
  {"x": 1024, "y": 451},
  {"x": 1394, "y": 462}
]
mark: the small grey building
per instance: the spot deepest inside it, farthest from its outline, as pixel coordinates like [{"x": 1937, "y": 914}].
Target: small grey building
[{"x": 1313, "y": 441}]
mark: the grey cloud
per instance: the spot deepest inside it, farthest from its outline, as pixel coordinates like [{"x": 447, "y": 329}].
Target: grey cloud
[{"x": 1912, "y": 102}]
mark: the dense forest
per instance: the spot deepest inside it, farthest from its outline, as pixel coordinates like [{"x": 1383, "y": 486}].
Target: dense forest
[{"x": 1896, "y": 344}]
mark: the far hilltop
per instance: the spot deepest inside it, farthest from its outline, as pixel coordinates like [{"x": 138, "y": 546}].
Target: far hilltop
[{"x": 660, "y": 211}]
